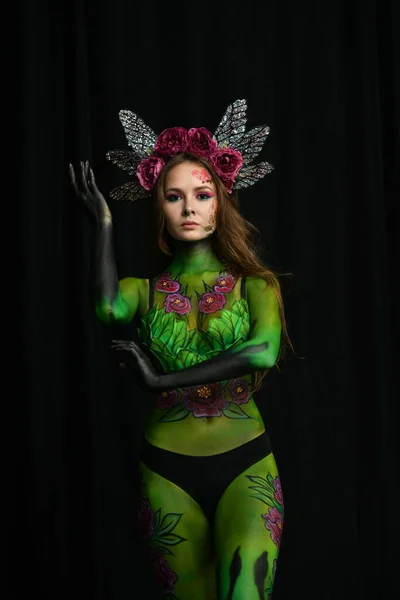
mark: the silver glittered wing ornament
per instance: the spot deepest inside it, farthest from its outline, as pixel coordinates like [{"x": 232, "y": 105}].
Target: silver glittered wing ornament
[
  {"x": 251, "y": 143},
  {"x": 250, "y": 174},
  {"x": 124, "y": 159},
  {"x": 141, "y": 138},
  {"x": 132, "y": 190},
  {"x": 232, "y": 125}
]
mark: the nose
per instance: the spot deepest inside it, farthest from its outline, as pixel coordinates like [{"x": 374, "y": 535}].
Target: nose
[{"x": 187, "y": 209}]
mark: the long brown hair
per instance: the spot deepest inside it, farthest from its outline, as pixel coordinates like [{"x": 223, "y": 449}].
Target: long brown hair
[{"x": 233, "y": 242}]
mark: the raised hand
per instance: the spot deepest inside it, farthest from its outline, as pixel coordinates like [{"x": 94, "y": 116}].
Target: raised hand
[{"x": 89, "y": 193}]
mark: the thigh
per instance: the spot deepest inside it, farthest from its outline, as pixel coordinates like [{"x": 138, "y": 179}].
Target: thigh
[
  {"x": 178, "y": 537},
  {"x": 248, "y": 529}
]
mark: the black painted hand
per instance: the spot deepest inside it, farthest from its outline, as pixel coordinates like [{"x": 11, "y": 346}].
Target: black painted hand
[
  {"x": 89, "y": 193},
  {"x": 141, "y": 362}
]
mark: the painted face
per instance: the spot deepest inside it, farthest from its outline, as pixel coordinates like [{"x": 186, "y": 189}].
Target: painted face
[{"x": 190, "y": 202}]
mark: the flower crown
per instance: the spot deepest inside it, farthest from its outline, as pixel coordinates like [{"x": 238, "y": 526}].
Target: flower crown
[{"x": 230, "y": 150}]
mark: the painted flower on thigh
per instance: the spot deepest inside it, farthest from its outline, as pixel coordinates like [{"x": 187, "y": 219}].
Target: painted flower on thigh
[
  {"x": 278, "y": 490},
  {"x": 164, "y": 575},
  {"x": 274, "y": 523},
  {"x": 146, "y": 519},
  {"x": 205, "y": 400}
]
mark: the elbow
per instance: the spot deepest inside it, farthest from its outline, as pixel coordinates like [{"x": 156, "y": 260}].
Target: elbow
[
  {"x": 266, "y": 358},
  {"x": 109, "y": 314}
]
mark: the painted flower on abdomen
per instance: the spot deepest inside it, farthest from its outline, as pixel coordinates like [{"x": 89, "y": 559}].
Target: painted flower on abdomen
[
  {"x": 205, "y": 400},
  {"x": 239, "y": 391},
  {"x": 167, "y": 399},
  {"x": 274, "y": 523},
  {"x": 225, "y": 284},
  {"x": 211, "y": 302},
  {"x": 166, "y": 284},
  {"x": 177, "y": 303},
  {"x": 146, "y": 519},
  {"x": 164, "y": 575}
]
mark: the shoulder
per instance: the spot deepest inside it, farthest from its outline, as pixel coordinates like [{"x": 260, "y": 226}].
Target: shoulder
[{"x": 133, "y": 285}]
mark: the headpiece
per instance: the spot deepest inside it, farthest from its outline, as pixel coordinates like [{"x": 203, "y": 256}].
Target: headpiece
[{"x": 230, "y": 150}]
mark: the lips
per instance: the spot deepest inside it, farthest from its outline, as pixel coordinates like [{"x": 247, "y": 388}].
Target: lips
[{"x": 189, "y": 223}]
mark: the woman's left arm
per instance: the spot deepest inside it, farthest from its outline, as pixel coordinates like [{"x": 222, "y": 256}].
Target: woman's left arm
[{"x": 259, "y": 352}]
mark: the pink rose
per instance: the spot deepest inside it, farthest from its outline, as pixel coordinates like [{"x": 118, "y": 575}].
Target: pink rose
[
  {"x": 146, "y": 520},
  {"x": 177, "y": 303},
  {"x": 171, "y": 141},
  {"x": 274, "y": 523},
  {"x": 224, "y": 284},
  {"x": 227, "y": 163},
  {"x": 201, "y": 142},
  {"x": 239, "y": 391},
  {"x": 211, "y": 302},
  {"x": 278, "y": 490},
  {"x": 163, "y": 574},
  {"x": 205, "y": 400},
  {"x": 148, "y": 171},
  {"x": 167, "y": 399},
  {"x": 166, "y": 284}
]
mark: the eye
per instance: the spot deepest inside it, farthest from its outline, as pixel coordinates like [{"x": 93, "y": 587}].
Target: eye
[
  {"x": 204, "y": 196},
  {"x": 172, "y": 198}
]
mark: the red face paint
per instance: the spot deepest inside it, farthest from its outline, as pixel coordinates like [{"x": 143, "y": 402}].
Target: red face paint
[{"x": 202, "y": 174}]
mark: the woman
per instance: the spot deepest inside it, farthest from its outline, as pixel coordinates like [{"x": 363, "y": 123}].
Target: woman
[{"x": 210, "y": 326}]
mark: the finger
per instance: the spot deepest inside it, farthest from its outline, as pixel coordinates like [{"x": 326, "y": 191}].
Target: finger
[
  {"x": 84, "y": 180},
  {"x": 73, "y": 178},
  {"x": 92, "y": 182}
]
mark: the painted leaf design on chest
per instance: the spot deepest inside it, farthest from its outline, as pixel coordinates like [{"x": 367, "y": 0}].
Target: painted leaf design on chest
[{"x": 176, "y": 347}]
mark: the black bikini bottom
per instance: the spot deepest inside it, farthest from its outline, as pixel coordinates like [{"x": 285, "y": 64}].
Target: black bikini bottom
[{"x": 205, "y": 478}]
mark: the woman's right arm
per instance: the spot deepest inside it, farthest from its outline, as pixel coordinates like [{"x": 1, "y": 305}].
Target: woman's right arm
[{"x": 116, "y": 302}]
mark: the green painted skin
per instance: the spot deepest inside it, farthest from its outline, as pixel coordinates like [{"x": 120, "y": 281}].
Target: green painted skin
[{"x": 196, "y": 333}]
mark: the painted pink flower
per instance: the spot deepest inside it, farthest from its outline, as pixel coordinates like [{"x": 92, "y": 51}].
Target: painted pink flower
[
  {"x": 225, "y": 284},
  {"x": 167, "y": 399},
  {"x": 278, "y": 490},
  {"x": 239, "y": 391},
  {"x": 211, "y": 302},
  {"x": 177, "y": 303},
  {"x": 166, "y": 284},
  {"x": 201, "y": 142},
  {"x": 171, "y": 141},
  {"x": 146, "y": 519},
  {"x": 205, "y": 400},
  {"x": 164, "y": 575},
  {"x": 148, "y": 171},
  {"x": 274, "y": 523}
]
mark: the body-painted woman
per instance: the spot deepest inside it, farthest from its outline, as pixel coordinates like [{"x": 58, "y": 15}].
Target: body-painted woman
[{"x": 209, "y": 326}]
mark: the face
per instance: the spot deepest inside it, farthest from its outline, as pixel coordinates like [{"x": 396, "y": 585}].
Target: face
[{"x": 190, "y": 202}]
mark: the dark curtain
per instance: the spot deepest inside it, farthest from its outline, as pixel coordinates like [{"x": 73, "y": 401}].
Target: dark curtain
[{"x": 326, "y": 77}]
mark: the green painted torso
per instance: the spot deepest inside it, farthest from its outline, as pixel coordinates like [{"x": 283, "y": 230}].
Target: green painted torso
[{"x": 192, "y": 319}]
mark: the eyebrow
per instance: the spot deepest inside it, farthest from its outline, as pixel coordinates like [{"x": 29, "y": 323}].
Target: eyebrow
[{"x": 196, "y": 189}]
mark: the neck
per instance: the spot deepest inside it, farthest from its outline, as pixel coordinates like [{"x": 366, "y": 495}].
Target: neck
[{"x": 194, "y": 257}]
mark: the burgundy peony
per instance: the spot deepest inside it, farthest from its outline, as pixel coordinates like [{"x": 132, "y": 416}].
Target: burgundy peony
[
  {"x": 274, "y": 523},
  {"x": 211, "y": 302},
  {"x": 146, "y": 520},
  {"x": 166, "y": 284},
  {"x": 278, "y": 490},
  {"x": 224, "y": 284},
  {"x": 227, "y": 163},
  {"x": 205, "y": 400},
  {"x": 171, "y": 141},
  {"x": 163, "y": 574},
  {"x": 201, "y": 142},
  {"x": 177, "y": 303},
  {"x": 167, "y": 399},
  {"x": 239, "y": 391},
  {"x": 148, "y": 171}
]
